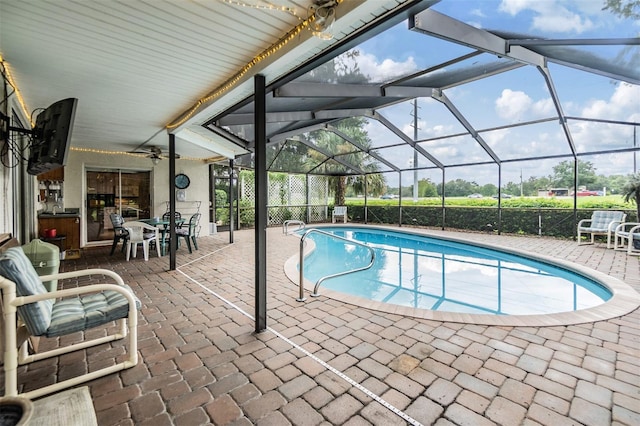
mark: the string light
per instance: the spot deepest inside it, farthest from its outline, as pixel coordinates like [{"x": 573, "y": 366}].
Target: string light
[
  {"x": 267, "y": 6},
  {"x": 130, "y": 154},
  {"x": 233, "y": 80},
  {"x": 13, "y": 84}
]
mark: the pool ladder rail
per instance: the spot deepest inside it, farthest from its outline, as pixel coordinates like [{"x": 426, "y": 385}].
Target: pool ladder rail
[
  {"x": 300, "y": 226},
  {"x": 315, "y": 293}
]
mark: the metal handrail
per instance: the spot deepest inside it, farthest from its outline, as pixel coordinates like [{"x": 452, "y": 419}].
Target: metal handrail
[
  {"x": 315, "y": 288},
  {"x": 285, "y": 226}
]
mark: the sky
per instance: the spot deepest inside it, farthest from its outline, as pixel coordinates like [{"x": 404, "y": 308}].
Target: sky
[{"x": 512, "y": 97}]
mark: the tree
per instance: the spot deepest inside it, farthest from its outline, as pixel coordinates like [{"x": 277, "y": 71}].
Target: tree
[
  {"x": 458, "y": 188},
  {"x": 563, "y": 174},
  {"x": 615, "y": 184},
  {"x": 426, "y": 188},
  {"x": 631, "y": 192},
  {"x": 376, "y": 184},
  {"x": 625, "y": 9},
  {"x": 345, "y": 69},
  {"x": 488, "y": 190}
]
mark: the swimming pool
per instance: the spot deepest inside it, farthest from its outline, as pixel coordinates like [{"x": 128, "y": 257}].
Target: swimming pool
[{"x": 432, "y": 274}]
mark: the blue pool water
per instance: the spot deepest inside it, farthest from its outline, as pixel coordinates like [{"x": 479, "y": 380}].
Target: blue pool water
[{"x": 431, "y": 273}]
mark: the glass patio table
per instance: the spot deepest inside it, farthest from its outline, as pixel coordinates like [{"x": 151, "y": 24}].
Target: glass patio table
[{"x": 163, "y": 226}]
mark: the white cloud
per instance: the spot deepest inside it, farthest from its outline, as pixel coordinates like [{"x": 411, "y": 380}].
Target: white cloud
[
  {"x": 517, "y": 106},
  {"x": 386, "y": 70},
  {"x": 544, "y": 108},
  {"x": 563, "y": 22},
  {"x": 560, "y": 16},
  {"x": 624, "y": 104},
  {"x": 513, "y": 7},
  {"x": 425, "y": 132},
  {"x": 512, "y": 105}
]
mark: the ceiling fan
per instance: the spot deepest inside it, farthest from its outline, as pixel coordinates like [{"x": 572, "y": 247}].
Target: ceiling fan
[{"x": 154, "y": 153}]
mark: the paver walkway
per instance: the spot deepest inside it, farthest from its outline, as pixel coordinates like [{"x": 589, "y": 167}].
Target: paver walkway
[{"x": 324, "y": 362}]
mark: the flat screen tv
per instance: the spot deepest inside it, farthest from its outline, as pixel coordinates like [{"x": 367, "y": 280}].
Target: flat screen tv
[{"x": 52, "y": 137}]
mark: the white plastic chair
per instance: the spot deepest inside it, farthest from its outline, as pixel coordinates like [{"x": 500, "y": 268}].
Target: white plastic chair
[
  {"x": 339, "y": 212},
  {"x": 625, "y": 235},
  {"x": 602, "y": 222},
  {"x": 141, "y": 233}
]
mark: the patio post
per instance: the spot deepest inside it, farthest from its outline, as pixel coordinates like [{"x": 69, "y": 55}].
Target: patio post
[
  {"x": 260, "y": 203},
  {"x": 172, "y": 202},
  {"x": 231, "y": 201}
]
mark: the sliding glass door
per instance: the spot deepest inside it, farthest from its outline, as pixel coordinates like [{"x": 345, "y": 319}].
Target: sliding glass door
[{"x": 126, "y": 192}]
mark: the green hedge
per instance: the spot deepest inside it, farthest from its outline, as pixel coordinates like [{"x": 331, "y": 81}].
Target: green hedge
[{"x": 537, "y": 221}]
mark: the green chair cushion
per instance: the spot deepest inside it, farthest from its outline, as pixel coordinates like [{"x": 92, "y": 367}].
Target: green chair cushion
[
  {"x": 80, "y": 313},
  {"x": 16, "y": 266}
]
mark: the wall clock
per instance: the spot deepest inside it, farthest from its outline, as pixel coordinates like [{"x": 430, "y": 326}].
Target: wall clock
[{"x": 182, "y": 181}]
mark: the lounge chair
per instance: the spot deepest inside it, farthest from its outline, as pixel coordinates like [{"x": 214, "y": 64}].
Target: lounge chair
[
  {"x": 627, "y": 237},
  {"x": 602, "y": 222},
  {"x": 339, "y": 212},
  {"x": 61, "y": 313}
]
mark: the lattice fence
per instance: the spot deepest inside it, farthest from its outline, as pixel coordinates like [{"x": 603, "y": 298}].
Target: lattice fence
[{"x": 290, "y": 196}]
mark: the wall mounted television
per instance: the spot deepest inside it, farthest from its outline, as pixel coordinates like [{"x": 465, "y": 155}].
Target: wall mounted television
[{"x": 52, "y": 137}]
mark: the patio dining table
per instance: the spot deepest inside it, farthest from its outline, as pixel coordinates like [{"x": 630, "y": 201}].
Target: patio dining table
[{"x": 163, "y": 226}]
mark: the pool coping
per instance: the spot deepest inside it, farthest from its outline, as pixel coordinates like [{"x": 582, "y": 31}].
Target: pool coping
[{"x": 624, "y": 300}]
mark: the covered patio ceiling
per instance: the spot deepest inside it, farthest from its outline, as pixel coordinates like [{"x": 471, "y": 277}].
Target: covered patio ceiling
[
  {"x": 141, "y": 69},
  {"x": 552, "y": 74}
]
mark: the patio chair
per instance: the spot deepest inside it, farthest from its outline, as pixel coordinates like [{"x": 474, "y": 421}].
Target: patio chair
[
  {"x": 61, "y": 313},
  {"x": 602, "y": 222},
  {"x": 119, "y": 233},
  {"x": 167, "y": 216},
  {"x": 339, "y": 212},
  {"x": 144, "y": 234},
  {"x": 627, "y": 237},
  {"x": 189, "y": 233}
]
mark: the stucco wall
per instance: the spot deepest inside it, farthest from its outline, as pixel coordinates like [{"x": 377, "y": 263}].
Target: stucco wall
[{"x": 74, "y": 189}]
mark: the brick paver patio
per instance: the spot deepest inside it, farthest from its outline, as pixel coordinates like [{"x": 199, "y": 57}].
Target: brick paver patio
[{"x": 328, "y": 362}]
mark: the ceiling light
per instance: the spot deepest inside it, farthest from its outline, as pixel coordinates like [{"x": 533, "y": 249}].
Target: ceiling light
[
  {"x": 324, "y": 16},
  {"x": 155, "y": 160}
]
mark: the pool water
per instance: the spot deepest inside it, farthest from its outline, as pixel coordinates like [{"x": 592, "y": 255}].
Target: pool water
[{"x": 431, "y": 273}]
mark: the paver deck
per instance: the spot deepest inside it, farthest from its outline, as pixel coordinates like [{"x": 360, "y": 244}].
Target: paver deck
[{"x": 329, "y": 362}]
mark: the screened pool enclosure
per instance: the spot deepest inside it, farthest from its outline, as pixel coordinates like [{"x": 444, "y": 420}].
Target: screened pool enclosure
[{"x": 439, "y": 97}]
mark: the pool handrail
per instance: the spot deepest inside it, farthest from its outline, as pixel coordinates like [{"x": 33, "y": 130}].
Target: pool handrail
[
  {"x": 285, "y": 226},
  {"x": 315, "y": 293}
]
